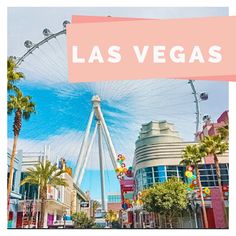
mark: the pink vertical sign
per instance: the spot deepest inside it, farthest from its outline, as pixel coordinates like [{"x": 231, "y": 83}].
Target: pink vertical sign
[{"x": 217, "y": 208}]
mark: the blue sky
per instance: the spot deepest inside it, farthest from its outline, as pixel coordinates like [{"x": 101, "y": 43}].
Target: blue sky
[{"x": 63, "y": 108}]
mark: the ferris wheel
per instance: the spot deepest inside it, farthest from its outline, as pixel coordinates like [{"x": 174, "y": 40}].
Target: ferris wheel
[{"x": 133, "y": 102}]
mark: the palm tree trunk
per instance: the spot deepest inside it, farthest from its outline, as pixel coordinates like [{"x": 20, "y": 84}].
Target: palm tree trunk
[
  {"x": 202, "y": 199},
  {"x": 16, "y": 130},
  {"x": 218, "y": 174},
  {"x": 217, "y": 171},
  {"x": 11, "y": 172},
  {"x": 43, "y": 206}
]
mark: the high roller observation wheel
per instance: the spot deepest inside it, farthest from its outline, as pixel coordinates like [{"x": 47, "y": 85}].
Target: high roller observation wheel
[{"x": 31, "y": 47}]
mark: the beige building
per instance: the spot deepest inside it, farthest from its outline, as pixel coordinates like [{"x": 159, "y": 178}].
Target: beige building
[
  {"x": 60, "y": 201},
  {"x": 79, "y": 197}
]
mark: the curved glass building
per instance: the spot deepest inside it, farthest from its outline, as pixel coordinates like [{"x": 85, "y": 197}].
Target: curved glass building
[{"x": 157, "y": 156}]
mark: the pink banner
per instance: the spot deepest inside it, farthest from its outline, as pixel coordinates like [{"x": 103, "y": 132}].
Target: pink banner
[{"x": 122, "y": 49}]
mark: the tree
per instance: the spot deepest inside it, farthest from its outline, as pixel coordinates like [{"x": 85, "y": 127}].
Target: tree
[
  {"x": 192, "y": 156},
  {"x": 168, "y": 199},
  {"x": 23, "y": 107},
  {"x": 96, "y": 205},
  {"x": 13, "y": 75},
  {"x": 111, "y": 217},
  {"x": 217, "y": 145},
  {"x": 224, "y": 132},
  {"x": 81, "y": 221},
  {"x": 44, "y": 175}
]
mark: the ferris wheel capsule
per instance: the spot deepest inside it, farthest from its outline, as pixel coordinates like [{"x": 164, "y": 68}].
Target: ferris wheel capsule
[
  {"x": 206, "y": 118},
  {"x": 66, "y": 22},
  {"x": 28, "y": 44},
  {"x": 204, "y": 96},
  {"x": 46, "y": 32}
]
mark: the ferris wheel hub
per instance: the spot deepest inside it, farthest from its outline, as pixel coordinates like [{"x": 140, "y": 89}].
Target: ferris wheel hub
[{"x": 96, "y": 100}]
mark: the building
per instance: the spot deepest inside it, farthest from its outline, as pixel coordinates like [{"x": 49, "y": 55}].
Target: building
[
  {"x": 15, "y": 193},
  {"x": 208, "y": 175},
  {"x": 78, "y": 200},
  {"x": 60, "y": 203},
  {"x": 211, "y": 128},
  {"x": 114, "y": 202},
  {"x": 157, "y": 156}
]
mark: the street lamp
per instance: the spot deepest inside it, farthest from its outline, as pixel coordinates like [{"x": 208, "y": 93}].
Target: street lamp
[{"x": 192, "y": 196}]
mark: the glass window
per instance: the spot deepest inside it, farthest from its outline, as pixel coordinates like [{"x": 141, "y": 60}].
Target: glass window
[
  {"x": 205, "y": 184},
  {"x": 225, "y": 182},
  {"x": 14, "y": 180},
  {"x": 171, "y": 168},
  {"x": 169, "y": 174},
  {"x": 223, "y": 166},
  {"x": 224, "y": 171},
  {"x": 224, "y": 177},
  {"x": 149, "y": 180},
  {"x": 149, "y": 174},
  {"x": 159, "y": 168},
  {"x": 208, "y": 174},
  {"x": 148, "y": 169}
]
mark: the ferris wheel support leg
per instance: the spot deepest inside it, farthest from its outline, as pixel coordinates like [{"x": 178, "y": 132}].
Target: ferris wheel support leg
[
  {"x": 108, "y": 139},
  {"x": 109, "y": 149},
  {"x": 101, "y": 165},
  {"x": 196, "y": 104},
  {"x": 83, "y": 150},
  {"x": 81, "y": 174}
]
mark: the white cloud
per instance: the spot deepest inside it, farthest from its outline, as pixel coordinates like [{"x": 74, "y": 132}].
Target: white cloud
[{"x": 67, "y": 145}]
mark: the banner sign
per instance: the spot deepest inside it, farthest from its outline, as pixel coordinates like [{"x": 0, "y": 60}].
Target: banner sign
[
  {"x": 107, "y": 48},
  {"x": 84, "y": 204}
]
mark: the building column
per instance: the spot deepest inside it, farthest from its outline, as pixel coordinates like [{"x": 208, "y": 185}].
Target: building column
[{"x": 54, "y": 216}]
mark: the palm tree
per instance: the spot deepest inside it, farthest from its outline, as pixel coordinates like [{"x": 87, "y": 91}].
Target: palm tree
[
  {"x": 192, "y": 155},
  {"x": 224, "y": 132},
  {"x": 13, "y": 75},
  {"x": 23, "y": 107},
  {"x": 217, "y": 145},
  {"x": 96, "y": 205},
  {"x": 44, "y": 175}
]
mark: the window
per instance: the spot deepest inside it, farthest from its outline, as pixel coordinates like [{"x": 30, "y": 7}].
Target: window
[
  {"x": 146, "y": 177},
  {"x": 171, "y": 168},
  {"x": 114, "y": 198},
  {"x": 31, "y": 191},
  {"x": 208, "y": 174}
]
